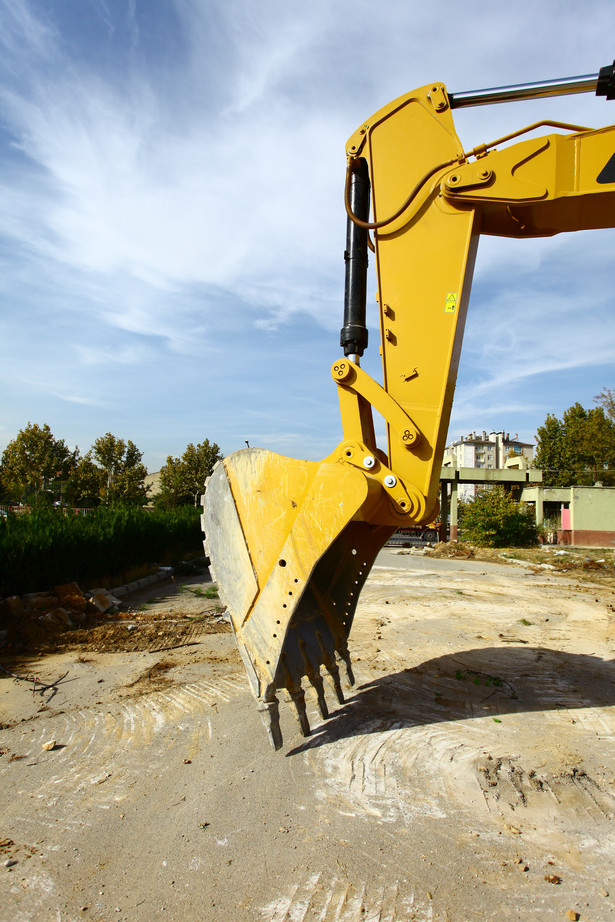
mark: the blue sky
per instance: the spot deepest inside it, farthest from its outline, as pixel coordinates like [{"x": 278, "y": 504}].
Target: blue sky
[{"x": 172, "y": 225}]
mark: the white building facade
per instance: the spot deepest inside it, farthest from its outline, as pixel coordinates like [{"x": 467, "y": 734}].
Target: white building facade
[{"x": 490, "y": 450}]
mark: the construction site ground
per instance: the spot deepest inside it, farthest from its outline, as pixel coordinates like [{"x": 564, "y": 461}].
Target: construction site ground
[{"x": 470, "y": 774}]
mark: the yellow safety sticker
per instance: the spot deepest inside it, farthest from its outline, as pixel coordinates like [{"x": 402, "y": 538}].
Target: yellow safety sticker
[{"x": 450, "y": 305}]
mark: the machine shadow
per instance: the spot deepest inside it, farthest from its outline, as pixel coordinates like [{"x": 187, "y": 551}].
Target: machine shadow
[{"x": 485, "y": 682}]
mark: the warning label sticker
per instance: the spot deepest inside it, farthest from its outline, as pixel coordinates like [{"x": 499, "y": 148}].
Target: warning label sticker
[{"x": 450, "y": 305}]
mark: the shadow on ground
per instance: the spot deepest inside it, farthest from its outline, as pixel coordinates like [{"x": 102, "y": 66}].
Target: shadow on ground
[{"x": 485, "y": 682}]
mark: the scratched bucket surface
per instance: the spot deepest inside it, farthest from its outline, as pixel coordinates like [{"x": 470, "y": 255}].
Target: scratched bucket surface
[{"x": 290, "y": 554}]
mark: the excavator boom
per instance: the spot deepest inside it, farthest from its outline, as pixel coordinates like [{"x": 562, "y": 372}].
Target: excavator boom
[{"x": 292, "y": 542}]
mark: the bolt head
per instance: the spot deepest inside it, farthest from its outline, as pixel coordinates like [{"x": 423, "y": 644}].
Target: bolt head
[
  {"x": 390, "y": 481},
  {"x": 368, "y": 461}
]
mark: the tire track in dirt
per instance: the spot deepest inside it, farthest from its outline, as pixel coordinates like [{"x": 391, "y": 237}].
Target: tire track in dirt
[
  {"x": 324, "y": 897},
  {"x": 536, "y": 707},
  {"x": 99, "y": 753}
]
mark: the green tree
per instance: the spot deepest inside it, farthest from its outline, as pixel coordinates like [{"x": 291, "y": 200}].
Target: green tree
[
  {"x": 122, "y": 472},
  {"x": 4, "y": 492},
  {"x": 494, "y": 519},
  {"x": 578, "y": 449},
  {"x": 606, "y": 399},
  {"x": 172, "y": 491},
  {"x": 198, "y": 463},
  {"x": 84, "y": 485},
  {"x": 36, "y": 464},
  {"x": 182, "y": 480}
]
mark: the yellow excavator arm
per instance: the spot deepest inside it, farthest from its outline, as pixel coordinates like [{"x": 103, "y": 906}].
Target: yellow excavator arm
[{"x": 292, "y": 542}]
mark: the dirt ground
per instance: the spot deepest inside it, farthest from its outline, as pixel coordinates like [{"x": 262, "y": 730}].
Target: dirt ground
[{"x": 469, "y": 776}]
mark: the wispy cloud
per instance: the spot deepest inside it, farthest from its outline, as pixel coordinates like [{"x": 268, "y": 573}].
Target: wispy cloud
[{"x": 172, "y": 229}]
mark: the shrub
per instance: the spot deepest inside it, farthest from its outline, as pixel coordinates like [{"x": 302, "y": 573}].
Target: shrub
[
  {"x": 49, "y": 547},
  {"x": 494, "y": 519}
]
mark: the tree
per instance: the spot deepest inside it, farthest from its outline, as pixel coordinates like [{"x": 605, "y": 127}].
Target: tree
[
  {"x": 172, "y": 490},
  {"x": 4, "y": 492},
  {"x": 182, "y": 480},
  {"x": 84, "y": 485},
  {"x": 606, "y": 399},
  {"x": 198, "y": 463},
  {"x": 35, "y": 463},
  {"x": 122, "y": 473},
  {"x": 578, "y": 450},
  {"x": 494, "y": 519}
]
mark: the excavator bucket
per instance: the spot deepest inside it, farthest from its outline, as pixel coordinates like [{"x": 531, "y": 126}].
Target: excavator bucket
[{"x": 290, "y": 553}]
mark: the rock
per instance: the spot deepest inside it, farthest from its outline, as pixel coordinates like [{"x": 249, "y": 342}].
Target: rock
[
  {"x": 41, "y": 601},
  {"x": 103, "y": 601},
  {"x": 604, "y": 892},
  {"x": 58, "y": 616},
  {"x": 51, "y": 744},
  {"x": 71, "y": 596},
  {"x": 572, "y": 915},
  {"x": 553, "y": 879},
  {"x": 12, "y": 607}
]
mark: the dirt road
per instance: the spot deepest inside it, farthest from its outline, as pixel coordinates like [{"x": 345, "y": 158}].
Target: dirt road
[{"x": 469, "y": 776}]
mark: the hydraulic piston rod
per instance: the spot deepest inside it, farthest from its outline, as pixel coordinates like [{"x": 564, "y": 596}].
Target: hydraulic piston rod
[
  {"x": 353, "y": 335},
  {"x": 602, "y": 83}
]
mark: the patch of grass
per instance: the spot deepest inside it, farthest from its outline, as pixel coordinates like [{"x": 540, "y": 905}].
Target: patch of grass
[
  {"x": 210, "y": 593},
  {"x": 525, "y": 621},
  {"x": 479, "y": 678}
]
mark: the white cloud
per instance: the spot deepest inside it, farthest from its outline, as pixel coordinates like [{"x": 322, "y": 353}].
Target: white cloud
[{"x": 172, "y": 184}]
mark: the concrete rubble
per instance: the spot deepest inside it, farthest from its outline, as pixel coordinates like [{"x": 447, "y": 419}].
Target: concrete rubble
[{"x": 67, "y": 606}]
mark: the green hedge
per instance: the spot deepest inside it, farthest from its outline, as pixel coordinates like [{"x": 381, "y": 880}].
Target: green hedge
[{"x": 46, "y": 548}]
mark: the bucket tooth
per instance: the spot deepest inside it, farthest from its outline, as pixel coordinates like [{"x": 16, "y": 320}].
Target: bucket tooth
[
  {"x": 314, "y": 677},
  {"x": 298, "y": 699},
  {"x": 334, "y": 672},
  {"x": 345, "y": 656},
  {"x": 319, "y": 687},
  {"x": 270, "y": 715},
  {"x": 328, "y": 659}
]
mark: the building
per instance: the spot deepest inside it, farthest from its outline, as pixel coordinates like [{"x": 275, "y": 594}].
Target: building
[
  {"x": 584, "y": 516},
  {"x": 488, "y": 451}
]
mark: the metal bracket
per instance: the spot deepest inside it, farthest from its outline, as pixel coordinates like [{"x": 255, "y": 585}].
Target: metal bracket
[
  {"x": 437, "y": 97},
  {"x": 472, "y": 174},
  {"x": 352, "y": 377},
  {"x": 407, "y": 500}
]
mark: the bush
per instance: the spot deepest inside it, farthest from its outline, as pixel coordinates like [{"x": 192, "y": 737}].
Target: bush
[
  {"x": 49, "y": 547},
  {"x": 494, "y": 519}
]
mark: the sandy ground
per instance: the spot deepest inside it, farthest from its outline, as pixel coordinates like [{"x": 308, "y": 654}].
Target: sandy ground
[{"x": 469, "y": 776}]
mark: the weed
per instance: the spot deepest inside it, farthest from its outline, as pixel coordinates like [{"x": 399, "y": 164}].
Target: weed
[
  {"x": 210, "y": 593},
  {"x": 478, "y": 677},
  {"x": 525, "y": 621}
]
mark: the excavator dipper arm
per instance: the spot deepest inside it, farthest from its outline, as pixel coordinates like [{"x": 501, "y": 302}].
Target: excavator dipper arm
[{"x": 291, "y": 542}]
